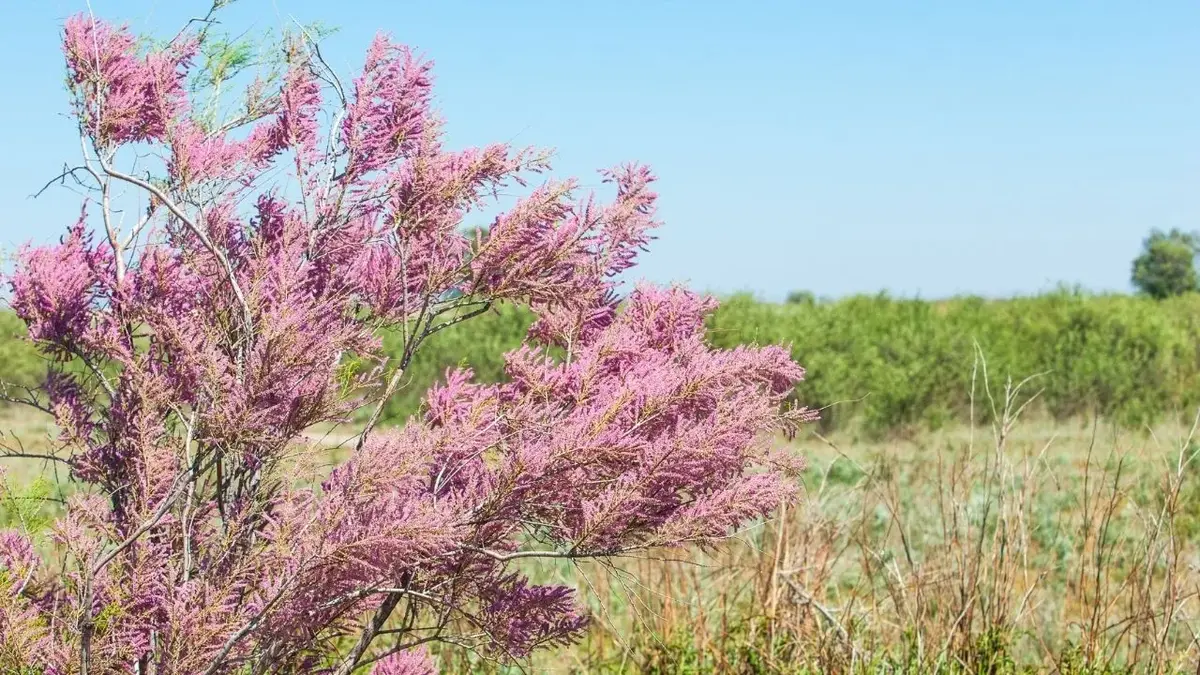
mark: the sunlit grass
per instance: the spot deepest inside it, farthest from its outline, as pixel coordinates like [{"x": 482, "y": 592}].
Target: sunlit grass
[{"x": 1068, "y": 545}]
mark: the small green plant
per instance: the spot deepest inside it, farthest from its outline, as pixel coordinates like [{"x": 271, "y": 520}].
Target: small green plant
[{"x": 24, "y": 504}]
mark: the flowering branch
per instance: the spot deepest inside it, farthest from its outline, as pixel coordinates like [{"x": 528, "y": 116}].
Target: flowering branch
[{"x": 204, "y": 537}]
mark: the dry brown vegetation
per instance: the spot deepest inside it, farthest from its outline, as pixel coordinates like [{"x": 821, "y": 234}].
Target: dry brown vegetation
[{"x": 1024, "y": 546}]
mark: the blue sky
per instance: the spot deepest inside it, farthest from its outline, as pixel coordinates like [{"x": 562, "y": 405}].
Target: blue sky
[{"x": 926, "y": 148}]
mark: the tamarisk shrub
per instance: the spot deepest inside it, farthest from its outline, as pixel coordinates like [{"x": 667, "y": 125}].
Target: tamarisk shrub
[{"x": 193, "y": 347}]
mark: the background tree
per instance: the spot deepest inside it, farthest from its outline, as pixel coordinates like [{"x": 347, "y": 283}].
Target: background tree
[
  {"x": 1167, "y": 264},
  {"x": 801, "y": 298},
  {"x": 192, "y": 347}
]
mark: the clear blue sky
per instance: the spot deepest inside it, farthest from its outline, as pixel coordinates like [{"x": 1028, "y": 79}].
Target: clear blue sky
[{"x": 927, "y": 148}]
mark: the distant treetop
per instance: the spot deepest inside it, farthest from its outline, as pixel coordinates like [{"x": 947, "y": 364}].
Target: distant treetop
[{"x": 1167, "y": 264}]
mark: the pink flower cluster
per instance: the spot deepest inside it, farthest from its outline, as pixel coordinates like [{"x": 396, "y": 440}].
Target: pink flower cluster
[{"x": 191, "y": 355}]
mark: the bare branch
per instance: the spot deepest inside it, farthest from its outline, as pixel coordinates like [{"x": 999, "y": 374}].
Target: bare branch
[
  {"x": 9, "y": 454},
  {"x": 369, "y": 632},
  {"x": 392, "y": 384},
  {"x": 231, "y": 276},
  {"x": 61, "y": 179},
  {"x": 153, "y": 520},
  {"x": 517, "y": 555}
]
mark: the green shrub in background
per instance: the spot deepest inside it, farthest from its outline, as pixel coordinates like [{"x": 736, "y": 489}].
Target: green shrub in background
[
  {"x": 1128, "y": 358},
  {"x": 20, "y": 364},
  {"x": 479, "y": 344},
  {"x": 890, "y": 364}
]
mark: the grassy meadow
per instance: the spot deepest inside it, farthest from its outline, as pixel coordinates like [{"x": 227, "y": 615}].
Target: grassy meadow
[
  {"x": 996, "y": 487},
  {"x": 1028, "y": 546}
]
